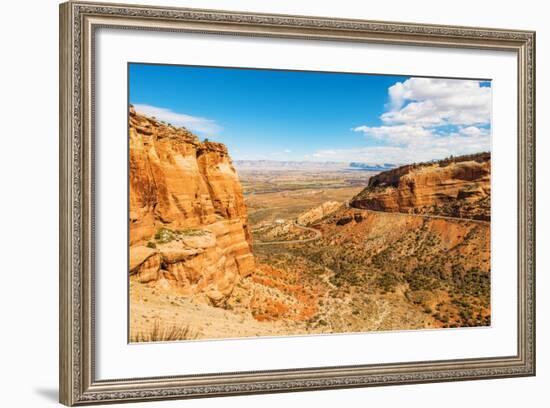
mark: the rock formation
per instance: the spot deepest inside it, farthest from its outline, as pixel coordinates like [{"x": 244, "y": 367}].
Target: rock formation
[
  {"x": 188, "y": 220},
  {"x": 318, "y": 213},
  {"x": 455, "y": 187}
]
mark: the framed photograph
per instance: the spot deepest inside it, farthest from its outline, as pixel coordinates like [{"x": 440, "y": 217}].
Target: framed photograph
[{"x": 256, "y": 203}]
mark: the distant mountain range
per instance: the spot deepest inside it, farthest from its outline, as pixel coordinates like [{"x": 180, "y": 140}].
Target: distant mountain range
[
  {"x": 372, "y": 167},
  {"x": 309, "y": 165}
]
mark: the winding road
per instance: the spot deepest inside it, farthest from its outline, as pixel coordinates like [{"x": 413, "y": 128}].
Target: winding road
[
  {"x": 442, "y": 217},
  {"x": 319, "y": 235},
  {"x": 294, "y": 241}
]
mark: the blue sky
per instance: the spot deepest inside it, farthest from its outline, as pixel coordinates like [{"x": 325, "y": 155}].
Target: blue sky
[{"x": 317, "y": 116}]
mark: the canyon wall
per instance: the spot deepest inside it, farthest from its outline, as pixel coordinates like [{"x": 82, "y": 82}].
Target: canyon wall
[
  {"x": 457, "y": 187},
  {"x": 188, "y": 227}
]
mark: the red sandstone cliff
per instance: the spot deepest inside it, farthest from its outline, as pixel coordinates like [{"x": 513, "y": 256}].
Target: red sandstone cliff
[
  {"x": 188, "y": 220},
  {"x": 458, "y": 187}
]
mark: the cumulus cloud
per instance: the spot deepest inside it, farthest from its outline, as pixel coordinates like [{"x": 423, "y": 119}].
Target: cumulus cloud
[
  {"x": 427, "y": 119},
  {"x": 435, "y": 102},
  {"x": 434, "y": 147},
  {"x": 193, "y": 123},
  {"x": 405, "y": 145},
  {"x": 399, "y": 134}
]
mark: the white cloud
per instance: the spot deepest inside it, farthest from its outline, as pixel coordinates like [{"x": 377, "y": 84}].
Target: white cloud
[
  {"x": 436, "y": 102},
  {"x": 193, "y": 123},
  {"x": 414, "y": 144},
  {"x": 429, "y": 148},
  {"x": 474, "y": 131},
  {"x": 396, "y": 135},
  {"x": 288, "y": 151},
  {"x": 418, "y": 119}
]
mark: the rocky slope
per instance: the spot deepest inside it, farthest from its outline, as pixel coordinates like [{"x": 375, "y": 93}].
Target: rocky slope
[
  {"x": 188, "y": 227},
  {"x": 420, "y": 270},
  {"x": 318, "y": 213},
  {"x": 456, "y": 187}
]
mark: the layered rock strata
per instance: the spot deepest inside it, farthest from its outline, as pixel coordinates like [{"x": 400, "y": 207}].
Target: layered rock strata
[
  {"x": 457, "y": 187},
  {"x": 188, "y": 224}
]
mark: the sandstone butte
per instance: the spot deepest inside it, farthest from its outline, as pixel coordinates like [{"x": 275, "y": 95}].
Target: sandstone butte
[
  {"x": 188, "y": 227},
  {"x": 455, "y": 187}
]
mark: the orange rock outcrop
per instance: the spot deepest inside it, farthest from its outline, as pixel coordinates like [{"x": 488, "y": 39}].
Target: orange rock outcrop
[
  {"x": 188, "y": 223},
  {"x": 458, "y": 187}
]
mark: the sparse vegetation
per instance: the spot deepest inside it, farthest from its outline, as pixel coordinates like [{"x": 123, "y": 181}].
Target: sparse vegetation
[
  {"x": 166, "y": 235},
  {"x": 387, "y": 281},
  {"x": 159, "y": 333},
  {"x": 192, "y": 232}
]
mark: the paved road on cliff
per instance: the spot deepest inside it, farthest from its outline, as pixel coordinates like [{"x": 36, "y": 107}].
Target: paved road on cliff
[
  {"x": 294, "y": 241},
  {"x": 442, "y": 217}
]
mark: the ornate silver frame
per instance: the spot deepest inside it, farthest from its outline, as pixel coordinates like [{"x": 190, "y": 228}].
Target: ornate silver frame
[{"x": 78, "y": 22}]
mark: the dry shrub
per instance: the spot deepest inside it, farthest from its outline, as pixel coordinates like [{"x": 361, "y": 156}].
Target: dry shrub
[{"x": 169, "y": 333}]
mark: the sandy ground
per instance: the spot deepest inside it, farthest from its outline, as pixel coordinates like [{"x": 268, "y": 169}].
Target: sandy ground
[
  {"x": 152, "y": 305},
  {"x": 149, "y": 305}
]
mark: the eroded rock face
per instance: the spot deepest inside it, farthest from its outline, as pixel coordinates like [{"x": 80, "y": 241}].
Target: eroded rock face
[
  {"x": 188, "y": 220},
  {"x": 318, "y": 213},
  {"x": 459, "y": 187}
]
